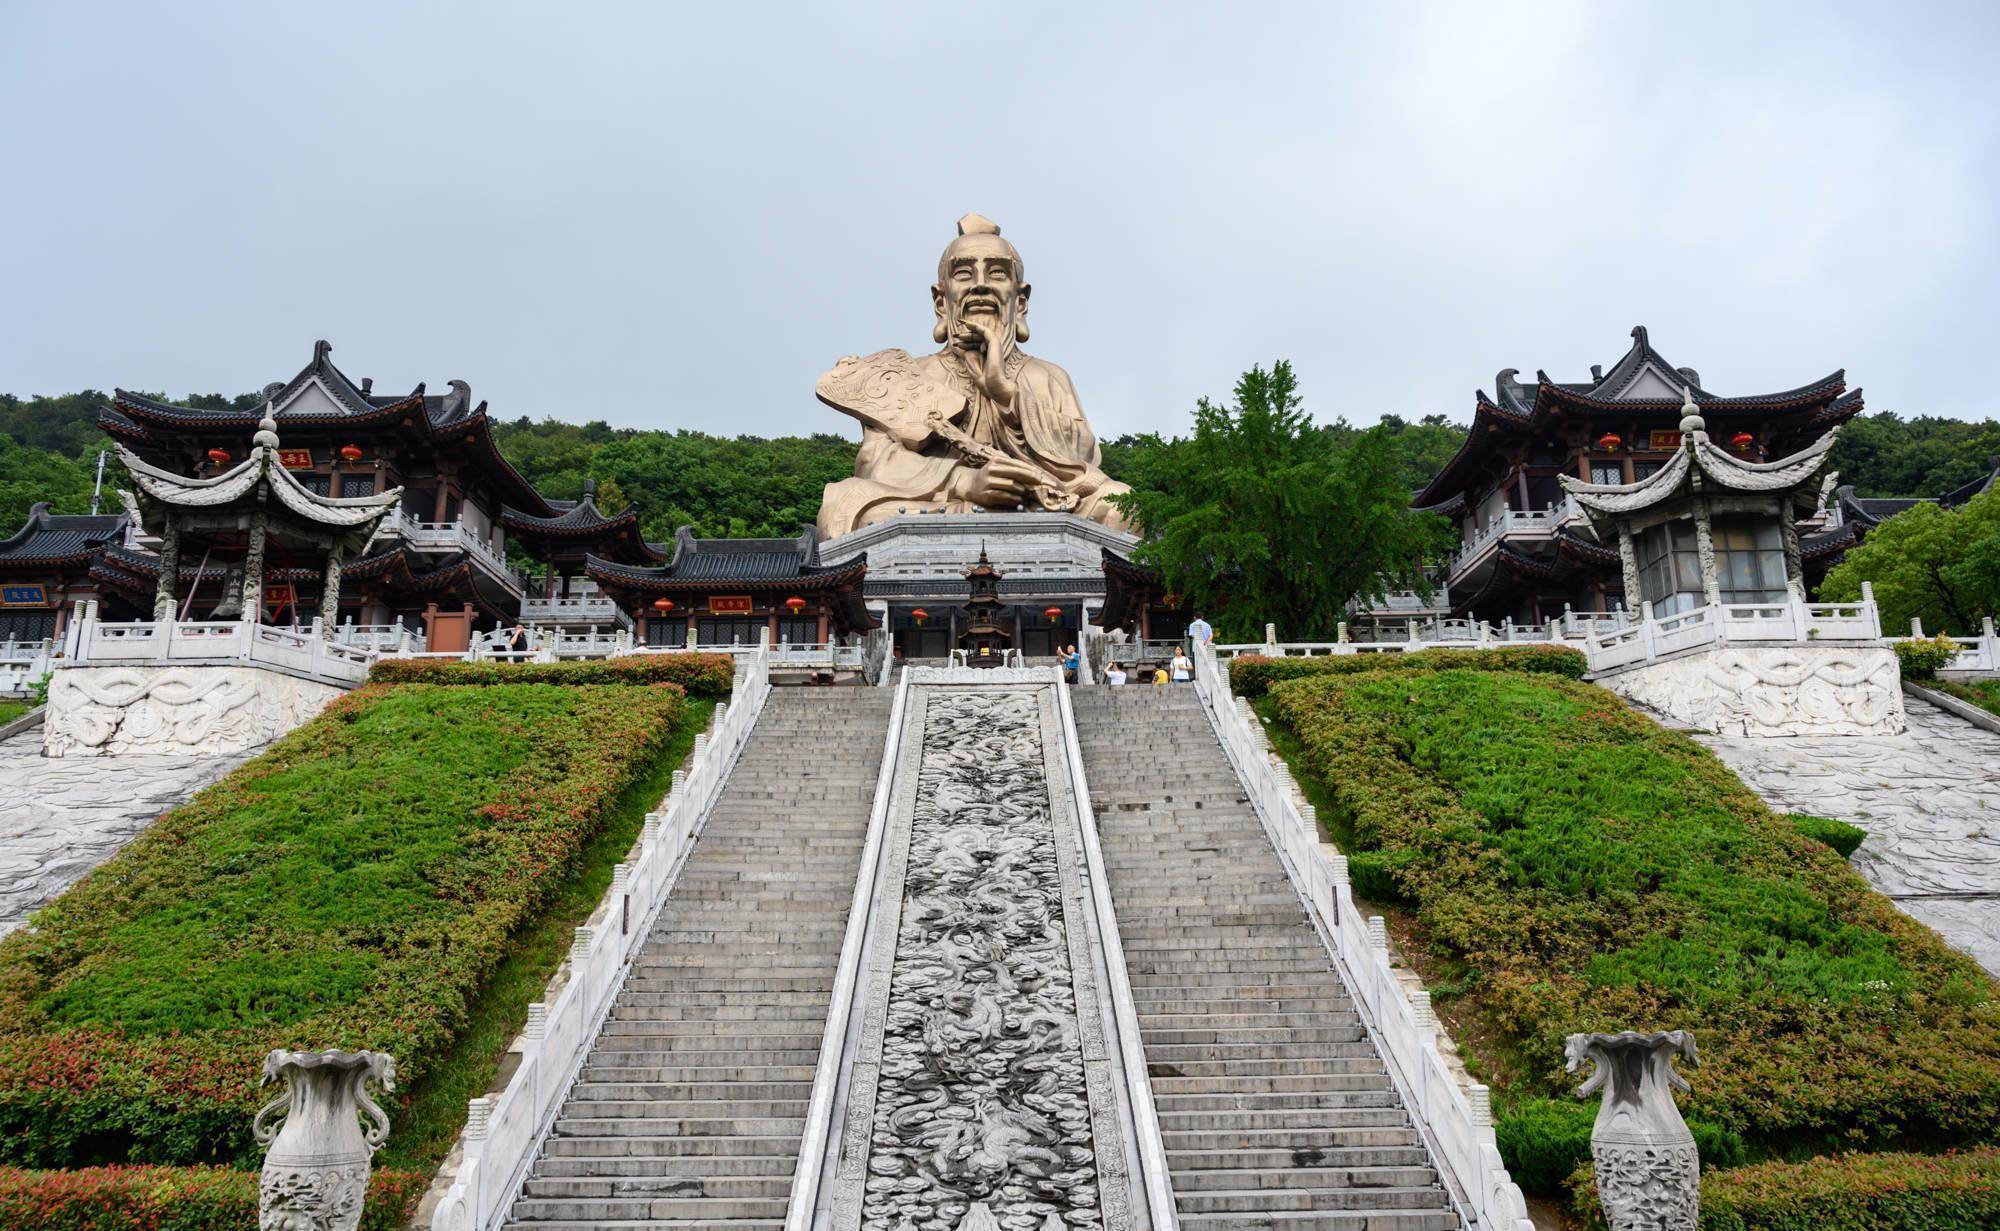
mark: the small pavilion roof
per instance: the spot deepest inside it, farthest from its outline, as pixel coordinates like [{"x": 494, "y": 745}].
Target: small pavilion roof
[
  {"x": 707, "y": 564},
  {"x": 1642, "y": 381},
  {"x": 320, "y": 399},
  {"x": 1701, "y": 465},
  {"x": 352, "y": 520}
]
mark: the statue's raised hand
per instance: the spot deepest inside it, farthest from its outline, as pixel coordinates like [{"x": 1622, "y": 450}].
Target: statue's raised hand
[{"x": 1000, "y": 484}]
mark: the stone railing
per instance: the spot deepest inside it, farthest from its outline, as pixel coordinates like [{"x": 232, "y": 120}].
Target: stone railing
[
  {"x": 1651, "y": 638},
  {"x": 576, "y": 609},
  {"x": 453, "y": 536},
  {"x": 830, "y": 655},
  {"x": 1531, "y": 523},
  {"x": 381, "y": 638},
  {"x": 1456, "y": 1122},
  {"x": 91, "y": 642},
  {"x": 1975, "y": 654},
  {"x": 504, "y": 1130},
  {"x": 24, "y": 662},
  {"x": 1612, "y": 641},
  {"x": 816, "y": 1146}
]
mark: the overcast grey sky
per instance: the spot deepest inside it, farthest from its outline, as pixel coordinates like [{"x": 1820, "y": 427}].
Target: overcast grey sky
[{"x": 678, "y": 216}]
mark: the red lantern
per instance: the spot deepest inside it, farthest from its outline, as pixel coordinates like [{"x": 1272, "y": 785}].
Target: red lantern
[
  {"x": 1742, "y": 440},
  {"x": 919, "y": 615},
  {"x": 663, "y": 605},
  {"x": 1610, "y": 441},
  {"x": 1053, "y": 613},
  {"x": 351, "y": 453},
  {"x": 796, "y": 603},
  {"x": 219, "y": 456}
]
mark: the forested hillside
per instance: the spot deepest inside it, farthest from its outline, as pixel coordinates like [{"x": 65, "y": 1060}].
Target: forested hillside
[{"x": 756, "y": 485}]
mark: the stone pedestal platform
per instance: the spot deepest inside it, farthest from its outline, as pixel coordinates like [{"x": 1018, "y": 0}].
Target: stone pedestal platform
[
  {"x": 175, "y": 710},
  {"x": 1792, "y": 688}
]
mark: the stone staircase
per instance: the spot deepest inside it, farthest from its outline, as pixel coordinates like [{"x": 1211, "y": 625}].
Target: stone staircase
[
  {"x": 690, "y": 1105},
  {"x": 1276, "y": 1108}
]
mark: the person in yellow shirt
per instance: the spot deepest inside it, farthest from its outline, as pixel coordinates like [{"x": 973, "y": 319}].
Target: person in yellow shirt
[{"x": 1159, "y": 677}]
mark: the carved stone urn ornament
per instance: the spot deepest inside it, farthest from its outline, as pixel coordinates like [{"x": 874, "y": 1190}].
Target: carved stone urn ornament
[
  {"x": 1648, "y": 1174},
  {"x": 316, "y": 1165}
]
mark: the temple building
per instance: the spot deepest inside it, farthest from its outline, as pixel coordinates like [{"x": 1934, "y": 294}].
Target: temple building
[
  {"x": 719, "y": 592},
  {"x": 1521, "y": 555}
]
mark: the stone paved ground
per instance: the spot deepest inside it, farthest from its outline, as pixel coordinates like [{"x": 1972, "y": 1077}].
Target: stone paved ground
[
  {"x": 1929, "y": 799},
  {"x": 61, "y": 817}
]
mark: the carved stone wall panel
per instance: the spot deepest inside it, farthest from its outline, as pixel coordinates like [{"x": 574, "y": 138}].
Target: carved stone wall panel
[
  {"x": 1791, "y": 690},
  {"x": 188, "y": 711},
  {"x": 985, "y": 1103}
]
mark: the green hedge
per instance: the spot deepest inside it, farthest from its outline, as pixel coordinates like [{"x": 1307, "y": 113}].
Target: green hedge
[
  {"x": 1252, "y": 675},
  {"x": 708, "y": 676},
  {"x": 355, "y": 886},
  {"x": 170, "y": 1199},
  {"x": 1575, "y": 867},
  {"x": 1845, "y": 1192},
  {"x": 1839, "y": 835}
]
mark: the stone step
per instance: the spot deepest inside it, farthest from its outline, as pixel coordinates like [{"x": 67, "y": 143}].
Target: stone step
[
  {"x": 776, "y": 1168},
  {"x": 1316, "y": 1220},
  {"x": 590, "y": 1108},
  {"x": 600, "y": 1092},
  {"x": 1345, "y": 1126},
  {"x": 597, "y": 1073},
  {"x": 1331, "y": 1197},
  {"x": 633, "y": 1209},
  {"x": 734, "y": 1187},
  {"x": 785, "y": 1146},
  {"x": 1362, "y": 1179},
  {"x": 1265, "y": 1157},
  {"x": 654, "y": 1128}
]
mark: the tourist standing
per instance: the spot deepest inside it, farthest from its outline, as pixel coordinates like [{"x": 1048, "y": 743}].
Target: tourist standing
[
  {"x": 1114, "y": 675},
  {"x": 1183, "y": 667},
  {"x": 1200, "y": 633},
  {"x": 1072, "y": 662}
]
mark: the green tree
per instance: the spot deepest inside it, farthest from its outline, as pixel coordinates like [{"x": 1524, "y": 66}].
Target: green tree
[
  {"x": 29, "y": 476},
  {"x": 1886, "y": 455},
  {"x": 1941, "y": 566},
  {"x": 1263, "y": 517}
]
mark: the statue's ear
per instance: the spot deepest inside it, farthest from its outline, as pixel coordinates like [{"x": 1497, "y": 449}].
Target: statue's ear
[
  {"x": 938, "y": 332},
  {"x": 1021, "y": 313}
]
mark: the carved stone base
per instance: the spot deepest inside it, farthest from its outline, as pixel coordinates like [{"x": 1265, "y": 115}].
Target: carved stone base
[
  {"x": 1648, "y": 1187},
  {"x": 188, "y": 711},
  {"x": 1771, "y": 690}
]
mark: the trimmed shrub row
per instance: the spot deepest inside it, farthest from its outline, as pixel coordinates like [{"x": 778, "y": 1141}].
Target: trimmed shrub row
[
  {"x": 1844, "y": 1192},
  {"x": 1252, "y": 675},
  {"x": 170, "y": 1199},
  {"x": 355, "y": 886},
  {"x": 1545, "y": 1140},
  {"x": 1839, "y": 835},
  {"x": 1578, "y": 868},
  {"x": 708, "y": 676}
]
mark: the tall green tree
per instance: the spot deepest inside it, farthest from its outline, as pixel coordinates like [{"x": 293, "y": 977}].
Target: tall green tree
[
  {"x": 1261, "y": 516},
  {"x": 1941, "y": 566}
]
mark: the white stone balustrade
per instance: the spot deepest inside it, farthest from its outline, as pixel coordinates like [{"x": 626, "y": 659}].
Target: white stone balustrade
[
  {"x": 1457, "y": 1120},
  {"x": 1978, "y": 655},
  {"x": 453, "y": 536},
  {"x": 574, "y": 609},
  {"x": 504, "y": 1129},
  {"x": 93, "y": 642},
  {"x": 1530, "y": 523},
  {"x": 24, "y": 662}
]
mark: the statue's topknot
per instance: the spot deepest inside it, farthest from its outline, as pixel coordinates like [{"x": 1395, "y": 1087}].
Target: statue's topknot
[{"x": 977, "y": 224}]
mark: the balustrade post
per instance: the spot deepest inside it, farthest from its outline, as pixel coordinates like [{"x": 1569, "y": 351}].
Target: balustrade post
[{"x": 1916, "y": 627}]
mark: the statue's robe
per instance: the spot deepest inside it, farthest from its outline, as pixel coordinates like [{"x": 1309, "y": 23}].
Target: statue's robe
[{"x": 913, "y": 413}]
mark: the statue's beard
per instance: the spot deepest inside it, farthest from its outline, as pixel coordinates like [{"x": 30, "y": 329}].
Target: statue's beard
[{"x": 956, "y": 322}]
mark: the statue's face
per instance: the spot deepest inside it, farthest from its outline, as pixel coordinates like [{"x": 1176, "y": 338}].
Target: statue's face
[{"x": 980, "y": 278}]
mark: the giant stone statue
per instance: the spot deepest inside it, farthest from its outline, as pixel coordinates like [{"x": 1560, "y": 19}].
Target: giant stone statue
[{"x": 979, "y": 424}]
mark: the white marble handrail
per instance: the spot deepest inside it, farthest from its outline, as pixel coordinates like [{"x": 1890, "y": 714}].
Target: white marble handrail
[
  {"x": 815, "y": 1146},
  {"x": 1457, "y": 1123},
  {"x": 503, "y": 1131},
  {"x": 1154, "y": 1173},
  {"x": 574, "y": 609},
  {"x": 1981, "y": 653}
]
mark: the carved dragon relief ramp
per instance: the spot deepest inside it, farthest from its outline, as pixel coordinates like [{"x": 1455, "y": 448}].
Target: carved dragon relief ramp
[{"x": 981, "y": 1090}]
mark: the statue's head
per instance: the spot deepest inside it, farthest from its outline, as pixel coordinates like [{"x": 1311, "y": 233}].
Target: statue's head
[{"x": 979, "y": 273}]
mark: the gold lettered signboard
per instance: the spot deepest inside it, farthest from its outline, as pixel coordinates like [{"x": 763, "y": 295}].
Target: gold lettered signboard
[
  {"x": 1663, "y": 441},
  {"x": 24, "y": 596},
  {"x": 729, "y": 604},
  {"x": 296, "y": 459}
]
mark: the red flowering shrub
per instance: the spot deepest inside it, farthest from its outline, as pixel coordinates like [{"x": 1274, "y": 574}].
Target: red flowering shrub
[
  {"x": 708, "y": 676},
  {"x": 169, "y": 1199},
  {"x": 353, "y": 887}
]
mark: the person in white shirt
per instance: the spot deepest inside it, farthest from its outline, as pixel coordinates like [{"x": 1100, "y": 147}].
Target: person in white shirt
[
  {"x": 1114, "y": 675},
  {"x": 1199, "y": 632},
  {"x": 1183, "y": 667}
]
